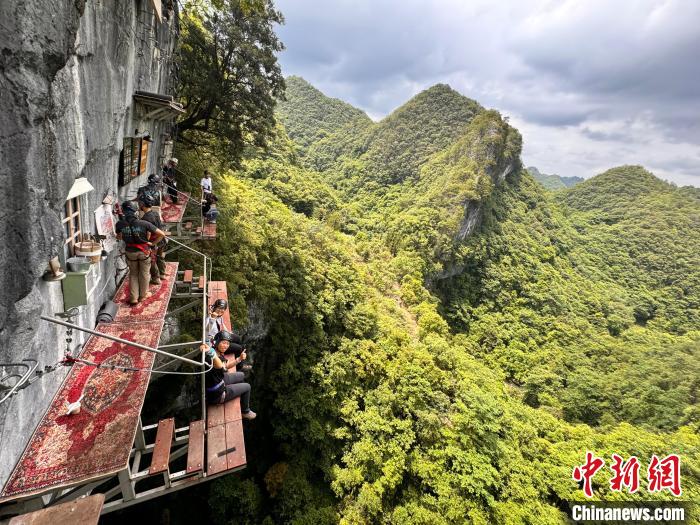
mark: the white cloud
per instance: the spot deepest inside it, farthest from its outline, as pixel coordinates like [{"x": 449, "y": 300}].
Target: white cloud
[{"x": 590, "y": 84}]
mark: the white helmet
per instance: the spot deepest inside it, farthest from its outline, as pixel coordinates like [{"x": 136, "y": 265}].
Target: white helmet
[{"x": 173, "y": 160}]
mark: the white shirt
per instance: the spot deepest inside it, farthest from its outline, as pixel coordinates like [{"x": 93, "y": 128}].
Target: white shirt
[
  {"x": 206, "y": 184},
  {"x": 213, "y": 326}
]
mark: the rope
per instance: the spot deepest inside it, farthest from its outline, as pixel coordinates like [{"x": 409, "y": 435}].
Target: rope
[{"x": 69, "y": 361}]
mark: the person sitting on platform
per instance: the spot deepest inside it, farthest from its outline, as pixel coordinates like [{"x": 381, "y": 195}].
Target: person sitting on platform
[
  {"x": 221, "y": 385},
  {"x": 215, "y": 324},
  {"x": 209, "y": 208},
  {"x": 158, "y": 252},
  {"x": 215, "y": 320},
  {"x": 139, "y": 236}
]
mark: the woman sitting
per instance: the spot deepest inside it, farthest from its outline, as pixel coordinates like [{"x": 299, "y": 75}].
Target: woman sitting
[
  {"x": 221, "y": 385},
  {"x": 209, "y": 207}
]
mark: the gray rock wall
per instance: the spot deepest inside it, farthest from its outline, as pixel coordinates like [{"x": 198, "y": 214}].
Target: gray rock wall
[{"x": 68, "y": 70}]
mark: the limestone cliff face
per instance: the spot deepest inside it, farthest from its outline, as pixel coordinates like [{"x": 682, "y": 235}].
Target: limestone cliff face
[
  {"x": 499, "y": 160},
  {"x": 68, "y": 71}
]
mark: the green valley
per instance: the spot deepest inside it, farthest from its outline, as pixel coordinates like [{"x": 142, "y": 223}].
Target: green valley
[{"x": 437, "y": 338}]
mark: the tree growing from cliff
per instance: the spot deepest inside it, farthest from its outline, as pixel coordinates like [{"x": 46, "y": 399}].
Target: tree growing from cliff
[{"x": 229, "y": 75}]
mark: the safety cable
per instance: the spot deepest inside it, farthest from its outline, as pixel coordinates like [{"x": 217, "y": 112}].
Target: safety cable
[{"x": 68, "y": 361}]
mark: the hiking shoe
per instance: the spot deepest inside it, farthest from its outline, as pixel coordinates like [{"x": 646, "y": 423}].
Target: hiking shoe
[{"x": 248, "y": 415}]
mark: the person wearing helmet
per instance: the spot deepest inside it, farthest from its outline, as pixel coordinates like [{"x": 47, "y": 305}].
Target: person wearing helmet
[
  {"x": 169, "y": 179},
  {"x": 148, "y": 214},
  {"x": 222, "y": 386},
  {"x": 209, "y": 208},
  {"x": 153, "y": 190},
  {"x": 139, "y": 236},
  {"x": 215, "y": 321}
]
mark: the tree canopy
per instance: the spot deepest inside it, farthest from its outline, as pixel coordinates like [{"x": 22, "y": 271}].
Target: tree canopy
[{"x": 229, "y": 77}]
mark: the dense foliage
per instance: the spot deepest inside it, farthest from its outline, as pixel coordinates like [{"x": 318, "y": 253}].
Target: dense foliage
[
  {"x": 436, "y": 338},
  {"x": 310, "y": 116},
  {"x": 229, "y": 77}
]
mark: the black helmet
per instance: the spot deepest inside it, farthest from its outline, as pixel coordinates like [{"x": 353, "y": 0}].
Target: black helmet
[
  {"x": 130, "y": 208},
  {"x": 153, "y": 179},
  {"x": 220, "y": 304},
  {"x": 224, "y": 335},
  {"x": 148, "y": 200}
]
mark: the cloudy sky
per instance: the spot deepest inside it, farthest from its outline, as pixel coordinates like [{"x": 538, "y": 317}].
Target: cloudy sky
[{"x": 590, "y": 84}]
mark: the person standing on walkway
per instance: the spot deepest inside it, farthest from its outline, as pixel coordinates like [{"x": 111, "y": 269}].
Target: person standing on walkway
[
  {"x": 205, "y": 183},
  {"x": 139, "y": 237},
  {"x": 149, "y": 214},
  {"x": 169, "y": 181}
]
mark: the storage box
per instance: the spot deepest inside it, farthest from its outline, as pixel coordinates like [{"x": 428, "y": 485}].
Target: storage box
[{"x": 75, "y": 289}]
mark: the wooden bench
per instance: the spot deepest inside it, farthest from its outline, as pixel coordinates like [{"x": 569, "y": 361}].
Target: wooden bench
[{"x": 225, "y": 445}]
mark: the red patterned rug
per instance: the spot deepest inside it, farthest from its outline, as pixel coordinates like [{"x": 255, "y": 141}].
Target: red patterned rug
[
  {"x": 174, "y": 212},
  {"x": 150, "y": 309},
  {"x": 97, "y": 441}
]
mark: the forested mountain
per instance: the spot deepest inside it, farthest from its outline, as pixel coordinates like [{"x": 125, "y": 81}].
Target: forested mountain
[
  {"x": 309, "y": 115},
  {"x": 436, "y": 338},
  {"x": 553, "y": 182}
]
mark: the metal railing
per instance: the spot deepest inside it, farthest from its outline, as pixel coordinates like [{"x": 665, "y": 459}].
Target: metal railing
[
  {"x": 22, "y": 379},
  {"x": 119, "y": 340},
  {"x": 205, "y": 306}
]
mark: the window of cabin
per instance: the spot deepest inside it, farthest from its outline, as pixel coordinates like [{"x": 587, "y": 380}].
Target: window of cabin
[
  {"x": 74, "y": 222},
  {"x": 72, "y": 225},
  {"x": 133, "y": 159}
]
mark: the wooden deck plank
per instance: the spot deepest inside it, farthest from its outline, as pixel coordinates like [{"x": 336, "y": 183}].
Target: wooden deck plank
[
  {"x": 195, "y": 447},
  {"x": 235, "y": 447},
  {"x": 189, "y": 274},
  {"x": 209, "y": 231},
  {"x": 232, "y": 410},
  {"x": 85, "y": 511},
  {"x": 161, "y": 451},
  {"x": 216, "y": 446},
  {"x": 215, "y": 415}
]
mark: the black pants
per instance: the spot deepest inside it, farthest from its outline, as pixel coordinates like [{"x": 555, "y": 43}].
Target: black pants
[{"x": 235, "y": 387}]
